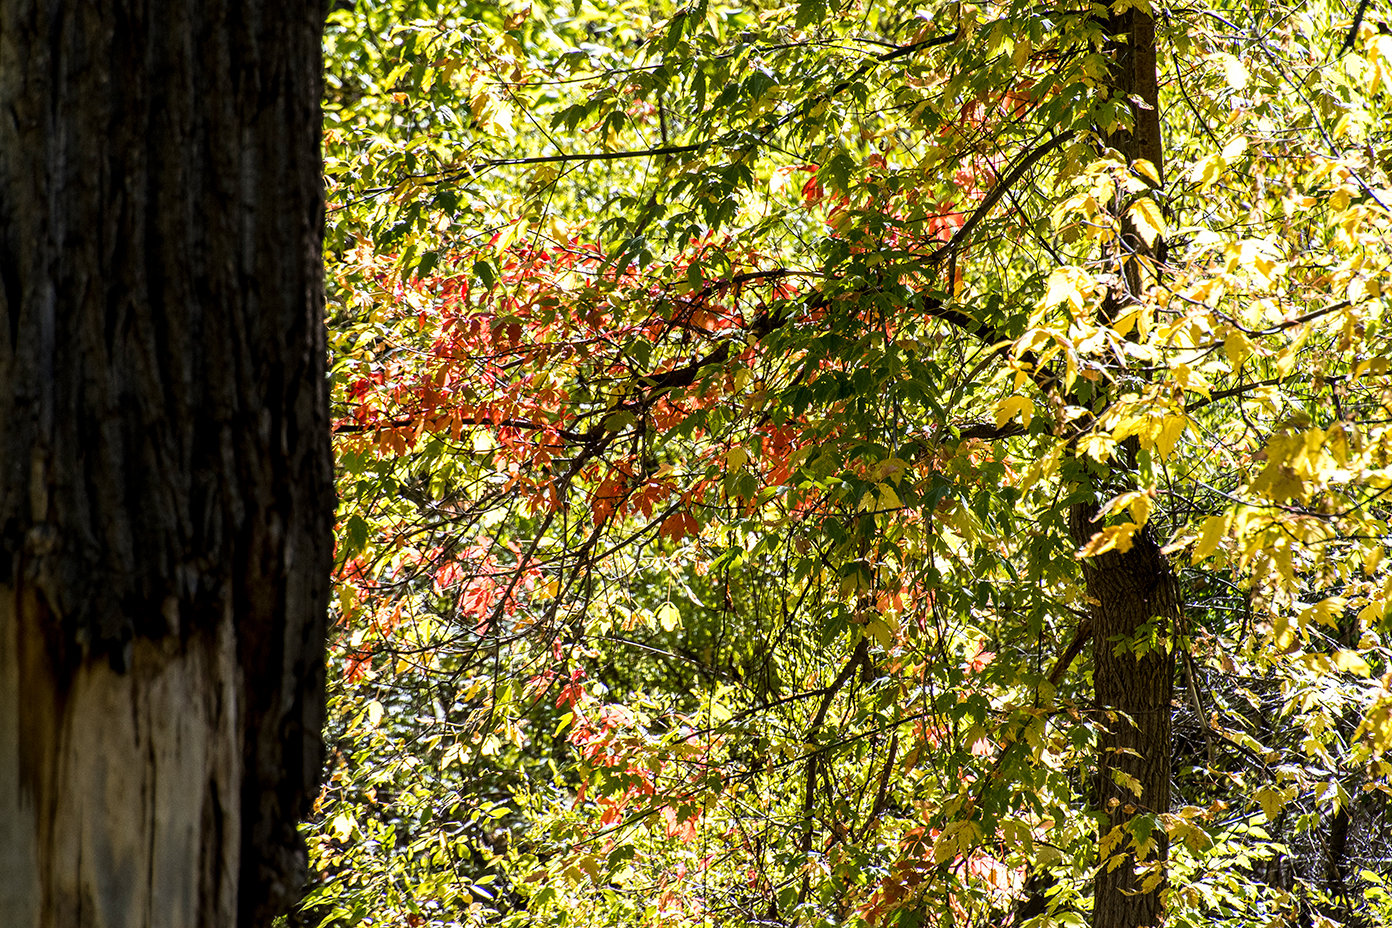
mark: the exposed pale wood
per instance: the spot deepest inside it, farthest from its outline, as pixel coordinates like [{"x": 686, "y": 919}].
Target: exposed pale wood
[{"x": 120, "y": 790}]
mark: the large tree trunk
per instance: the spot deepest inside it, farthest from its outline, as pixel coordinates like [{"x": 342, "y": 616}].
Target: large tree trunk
[
  {"x": 1133, "y": 661},
  {"x": 165, "y": 474}
]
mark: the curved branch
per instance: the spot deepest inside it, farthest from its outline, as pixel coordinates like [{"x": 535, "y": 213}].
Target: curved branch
[{"x": 1002, "y": 187}]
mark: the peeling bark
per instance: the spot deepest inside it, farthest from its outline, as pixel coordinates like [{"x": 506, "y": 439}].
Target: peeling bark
[{"x": 165, "y": 473}]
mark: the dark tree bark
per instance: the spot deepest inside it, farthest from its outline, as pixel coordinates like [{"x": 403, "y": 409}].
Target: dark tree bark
[
  {"x": 1132, "y": 694},
  {"x": 165, "y": 473},
  {"x": 1133, "y": 661}
]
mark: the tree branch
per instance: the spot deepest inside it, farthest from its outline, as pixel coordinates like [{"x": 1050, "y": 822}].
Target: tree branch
[
  {"x": 810, "y": 794},
  {"x": 589, "y": 156},
  {"x": 1232, "y": 391},
  {"x": 1002, "y": 186},
  {"x": 1070, "y": 653},
  {"x": 984, "y": 431}
]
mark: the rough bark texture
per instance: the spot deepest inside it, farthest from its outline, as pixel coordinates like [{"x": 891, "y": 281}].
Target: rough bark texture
[
  {"x": 1135, "y": 79},
  {"x": 1132, "y": 695},
  {"x": 165, "y": 475},
  {"x": 1132, "y": 686}
]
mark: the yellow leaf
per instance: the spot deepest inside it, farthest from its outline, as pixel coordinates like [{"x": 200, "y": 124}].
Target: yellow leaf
[
  {"x": 1140, "y": 508},
  {"x": 1061, "y": 287},
  {"x": 1377, "y": 366},
  {"x": 1170, "y": 433},
  {"x": 509, "y": 234},
  {"x": 1181, "y": 826},
  {"x": 1097, "y": 446},
  {"x": 1351, "y": 662},
  {"x": 1377, "y": 722},
  {"x": 668, "y": 617},
  {"x": 1119, "y": 502},
  {"x": 1234, "y": 71},
  {"x": 736, "y": 458},
  {"x": 374, "y": 713},
  {"x": 1282, "y": 633},
  {"x": 1258, "y": 258},
  {"x": 1189, "y": 379},
  {"x": 342, "y": 826},
  {"x": 1127, "y": 322},
  {"x": 543, "y": 176},
  {"x": 1113, "y": 537},
  {"x": 1325, "y": 612},
  {"x": 1146, "y": 170},
  {"x": 1381, "y": 46},
  {"x": 1235, "y": 147},
  {"x": 1214, "y": 528},
  {"x": 1013, "y": 406},
  {"x": 1238, "y": 347},
  {"x": 1362, "y": 288},
  {"x": 1206, "y": 170},
  {"x": 882, "y": 499},
  {"x": 1145, "y": 216}
]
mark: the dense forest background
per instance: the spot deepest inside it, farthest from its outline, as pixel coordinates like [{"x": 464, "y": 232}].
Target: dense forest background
[{"x": 845, "y": 463}]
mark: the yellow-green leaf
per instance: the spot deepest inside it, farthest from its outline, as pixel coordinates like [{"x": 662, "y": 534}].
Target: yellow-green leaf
[
  {"x": 1013, "y": 406},
  {"x": 1351, "y": 662},
  {"x": 1272, "y": 801},
  {"x": 1214, "y": 528},
  {"x": 1122, "y": 778},
  {"x": 1145, "y": 216},
  {"x": 668, "y": 617}
]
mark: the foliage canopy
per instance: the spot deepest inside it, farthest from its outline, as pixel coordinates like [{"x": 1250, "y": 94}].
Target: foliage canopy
[{"x": 751, "y": 416}]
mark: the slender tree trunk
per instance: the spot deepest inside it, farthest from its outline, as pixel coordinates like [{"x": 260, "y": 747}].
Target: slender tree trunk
[
  {"x": 1134, "y": 593},
  {"x": 1132, "y": 694},
  {"x": 165, "y": 475},
  {"x": 1336, "y": 859}
]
